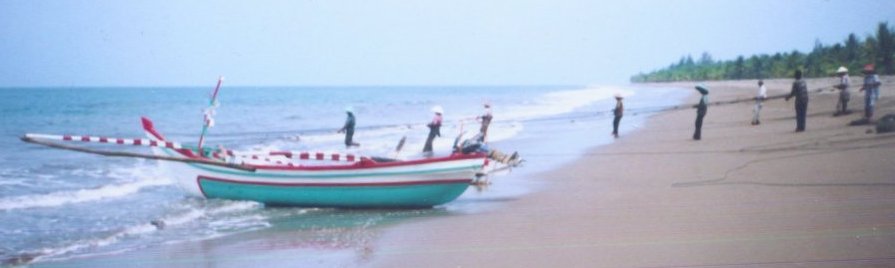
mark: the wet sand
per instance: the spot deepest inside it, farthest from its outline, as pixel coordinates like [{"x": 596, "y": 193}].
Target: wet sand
[{"x": 742, "y": 196}]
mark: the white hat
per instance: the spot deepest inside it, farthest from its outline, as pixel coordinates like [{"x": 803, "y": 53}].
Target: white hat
[
  {"x": 349, "y": 109},
  {"x": 841, "y": 69},
  {"x": 437, "y": 109}
]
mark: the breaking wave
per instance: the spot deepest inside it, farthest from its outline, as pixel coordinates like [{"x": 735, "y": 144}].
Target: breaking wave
[
  {"x": 217, "y": 218},
  {"x": 135, "y": 178}
]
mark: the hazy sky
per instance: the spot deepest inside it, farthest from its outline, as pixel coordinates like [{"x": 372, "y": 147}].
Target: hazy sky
[{"x": 332, "y": 42}]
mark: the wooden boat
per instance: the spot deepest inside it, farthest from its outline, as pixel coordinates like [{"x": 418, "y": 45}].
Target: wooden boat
[
  {"x": 351, "y": 181},
  {"x": 311, "y": 179}
]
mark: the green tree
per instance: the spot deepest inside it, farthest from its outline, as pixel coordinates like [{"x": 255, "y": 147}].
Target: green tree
[
  {"x": 869, "y": 51},
  {"x": 794, "y": 61},
  {"x": 739, "y": 68},
  {"x": 886, "y": 48},
  {"x": 852, "y": 52},
  {"x": 705, "y": 59},
  {"x": 822, "y": 60},
  {"x": 756, "y": 67}
]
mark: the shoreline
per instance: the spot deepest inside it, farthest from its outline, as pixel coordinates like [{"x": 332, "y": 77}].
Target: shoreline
[{"x": 744, "y": 195}]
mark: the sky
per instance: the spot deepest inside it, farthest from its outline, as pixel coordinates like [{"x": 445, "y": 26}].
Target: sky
[{"x": 382, "y": 43}]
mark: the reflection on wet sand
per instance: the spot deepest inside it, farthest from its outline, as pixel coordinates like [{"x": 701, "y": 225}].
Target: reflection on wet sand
[{"x": 296, "y": 237}]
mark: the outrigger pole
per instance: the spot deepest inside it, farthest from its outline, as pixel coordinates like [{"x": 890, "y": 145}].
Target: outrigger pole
[
  {"x": 32, "y": 138},
  {"x": 209, "y": 112}
]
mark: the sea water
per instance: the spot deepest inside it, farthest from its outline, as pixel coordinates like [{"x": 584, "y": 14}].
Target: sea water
[{"x": 60, "y": 205}]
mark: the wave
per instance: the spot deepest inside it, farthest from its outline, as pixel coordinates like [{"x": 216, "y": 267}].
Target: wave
[
  {"x": 78, "y": 196},
  {"x": 185, "y": 217},
  {"x": 12, "y": 182},
  {"x": 561, "y": 102},
  {"x": 138, "y": 177}
]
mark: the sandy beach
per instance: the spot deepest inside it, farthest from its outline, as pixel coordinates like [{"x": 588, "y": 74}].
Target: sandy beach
[{"x": 742, "y": 196}]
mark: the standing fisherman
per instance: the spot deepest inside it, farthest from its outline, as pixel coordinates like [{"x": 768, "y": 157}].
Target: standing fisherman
[
  {"x": 871, "y": 90},
  {"x": 844, "y": 94},
  {"x": 762, "y": 94},
  {"x": 618, "y": 112},
  {"x": 348, "y": 129},
  {"x": 701, "y": 110},
  {"x": 800, "y": 91},
  {"x": 486, "y": 120},
  {"x": 434, "y": 129}
]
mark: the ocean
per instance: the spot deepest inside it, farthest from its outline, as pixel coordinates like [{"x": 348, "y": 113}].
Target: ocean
[{"x": 61, "y": 207}]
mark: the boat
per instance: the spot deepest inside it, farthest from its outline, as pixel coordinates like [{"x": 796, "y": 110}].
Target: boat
[
  {"x": 344, "y": 181},
  {"x": 305, "y": 179}
]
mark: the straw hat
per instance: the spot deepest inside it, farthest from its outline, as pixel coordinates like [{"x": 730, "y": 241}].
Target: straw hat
[
  {"x": 618, "y": 96},
  {"x": 841, "y": 70},
  {"x": 437, "y": 109}
]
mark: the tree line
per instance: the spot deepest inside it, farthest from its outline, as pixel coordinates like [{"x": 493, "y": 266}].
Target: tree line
[{"x": 823, "y": 60}]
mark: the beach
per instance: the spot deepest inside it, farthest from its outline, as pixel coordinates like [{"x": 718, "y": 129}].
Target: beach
[{"x": 742, "y": 196}]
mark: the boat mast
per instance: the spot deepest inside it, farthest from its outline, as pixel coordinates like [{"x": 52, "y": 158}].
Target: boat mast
[{"x": 209, "y": 112}]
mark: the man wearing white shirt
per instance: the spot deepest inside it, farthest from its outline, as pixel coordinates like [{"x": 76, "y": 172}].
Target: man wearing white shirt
[{"x": 762, "y": 94}]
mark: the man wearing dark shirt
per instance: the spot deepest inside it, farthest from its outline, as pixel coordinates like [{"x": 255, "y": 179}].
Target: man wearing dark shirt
[{"x": 800, "y": 92}]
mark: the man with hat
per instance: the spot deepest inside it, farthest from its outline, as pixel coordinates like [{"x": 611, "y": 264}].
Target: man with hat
[
  {"x": 617, "y": 112},
  {"x": 486, "y": 120},
  {"x": 701, "y": 110},
  {"x": 871, "y": 90},
  {"x": 434, "y": 129},
  {"x": 844, "y": 95},
  {"x": 800, "y": 92},
  {"x": 348, "y": 129}
]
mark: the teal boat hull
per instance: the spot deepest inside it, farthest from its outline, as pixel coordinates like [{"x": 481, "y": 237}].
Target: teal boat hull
[{"x": 347, "y": 196}]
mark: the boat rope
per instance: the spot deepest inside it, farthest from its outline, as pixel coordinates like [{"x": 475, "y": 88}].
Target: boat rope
[
  {"x": 659, "y": 109},
  {"x": 587, "y": 114}
]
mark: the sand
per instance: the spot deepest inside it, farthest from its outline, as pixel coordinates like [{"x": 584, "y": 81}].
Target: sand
[{"x": 742, "y": 196}]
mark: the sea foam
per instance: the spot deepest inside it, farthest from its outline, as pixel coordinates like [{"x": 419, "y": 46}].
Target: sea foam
[
  {"x": 135, "y": 178},
  {"x": 186, "y": 216}
]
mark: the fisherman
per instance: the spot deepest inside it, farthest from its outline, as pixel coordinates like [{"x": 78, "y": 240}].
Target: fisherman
[
  {"x": 871, "y": 90},
  {"x": 762, "y": 94},
  {"x": 800, "y": 92},
  {"x": 224, "y": 155},
  {"x": 348, "y": 129},
  {"x": 844, "y": 94},
  {"x": 434, "y": 129},
  {"x": 485, "y": 119},
  {"x": 476, "y": 144},
  {"x": 701, "y": 109},
  {"x": 617, "y": 112}
]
